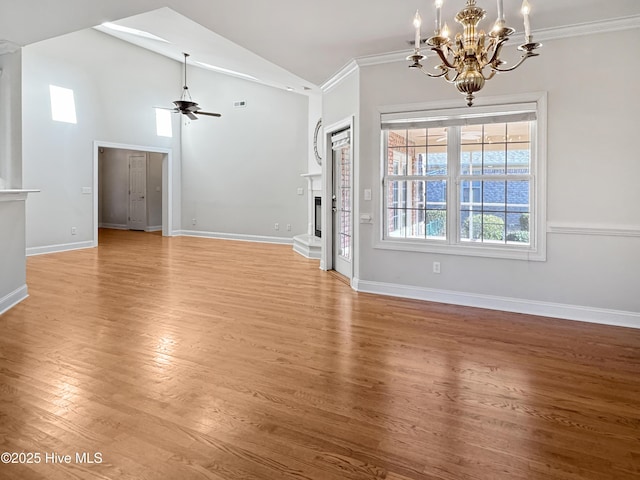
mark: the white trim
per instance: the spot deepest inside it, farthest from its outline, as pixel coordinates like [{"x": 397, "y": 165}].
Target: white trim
[
  {"x": 113, "y": 226},
  {"x": 327, "y": 190},
  {"x": 338, "y": 77},
  {"x": 235, "y": 236},
  {"x": 591, "y": 28},
  {"x": 167, "y": 183},
  {"x": 12, "y": 299},
  {"x": 618, "y": 318},
  {"x": 65, "y": 247},
  {"x": 556, "y": 33},
  {"x": 15, "y": 195},
  {"x": 308, "y": 246},
  {"x": 564, "y": 228},
  {"x": 156, "y": 228}
]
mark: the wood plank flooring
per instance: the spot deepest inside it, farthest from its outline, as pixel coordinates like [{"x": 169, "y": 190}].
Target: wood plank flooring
[{"x": 190, "y": 358}]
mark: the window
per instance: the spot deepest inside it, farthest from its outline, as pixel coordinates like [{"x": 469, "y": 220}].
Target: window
[
  {"x": 63, "y": 106},
  {"x": 163, "y": 123},
  {"x": 464, "y": 181}
]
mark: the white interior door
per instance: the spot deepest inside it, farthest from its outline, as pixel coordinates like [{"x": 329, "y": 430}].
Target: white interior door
[
  {"x": 342, "y": 201},
  {"x": 137, "y": 192}
]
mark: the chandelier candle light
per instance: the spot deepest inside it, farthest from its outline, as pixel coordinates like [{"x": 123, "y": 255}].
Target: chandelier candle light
[{"x": 465, "y": 58}]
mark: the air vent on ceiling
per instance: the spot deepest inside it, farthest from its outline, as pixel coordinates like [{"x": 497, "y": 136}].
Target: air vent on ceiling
[{"x": 239, "y": 104}]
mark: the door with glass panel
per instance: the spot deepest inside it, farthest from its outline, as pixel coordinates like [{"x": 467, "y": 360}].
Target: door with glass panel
[{"x": 342, "y": 201}]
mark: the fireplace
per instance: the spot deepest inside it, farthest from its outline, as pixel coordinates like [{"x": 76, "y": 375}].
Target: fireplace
[{"x": 317, "y": 216}]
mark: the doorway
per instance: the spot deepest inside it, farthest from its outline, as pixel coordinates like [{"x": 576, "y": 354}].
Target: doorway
[
  {"x": 132, "y": 188},
  {"x": 342, "y": 202}
]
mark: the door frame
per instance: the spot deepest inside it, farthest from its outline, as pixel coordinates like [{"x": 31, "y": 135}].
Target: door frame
[
  {"x": 326, "y": 260},
  {"x": 167, "y": 183}
]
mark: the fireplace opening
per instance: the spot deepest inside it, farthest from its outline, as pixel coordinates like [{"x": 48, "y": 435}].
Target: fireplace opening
[{"x": 318, "y": 216}]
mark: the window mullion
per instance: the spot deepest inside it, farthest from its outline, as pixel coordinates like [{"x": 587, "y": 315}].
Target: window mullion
[{"x": 453, "y": 187}]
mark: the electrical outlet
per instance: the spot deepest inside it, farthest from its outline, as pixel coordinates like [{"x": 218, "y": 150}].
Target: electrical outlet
[
  {"x": 288, "y": 227},
  {"x": 276, "y": 226},
  {"x": 436, "y": 267},
  {"x": 74, "y": 231},
  {"x": 193, "y": 221}
]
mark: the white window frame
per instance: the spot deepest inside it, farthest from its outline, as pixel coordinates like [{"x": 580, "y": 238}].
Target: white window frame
[{"x": 404, "y": 116}]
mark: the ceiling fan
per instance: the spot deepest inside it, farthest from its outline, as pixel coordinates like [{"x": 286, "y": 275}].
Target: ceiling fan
[{"x": 186, "y": 105}]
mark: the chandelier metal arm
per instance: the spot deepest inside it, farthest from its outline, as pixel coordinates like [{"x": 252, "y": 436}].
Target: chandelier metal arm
[
  {"x": 495, "y": 58},
  {"x": 443, "y": 57},
  {"x": 491, "y": 75},
  {"x": 528, "y": 54},
  {"x": 439, "y": 75}
]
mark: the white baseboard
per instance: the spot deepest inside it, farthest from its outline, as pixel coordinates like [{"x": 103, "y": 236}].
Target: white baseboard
[
  {"x": 157, "y": 228},
  {"x": 113, "y": 226},
  {"x": 617, "y": 318},
  {"x": 59, "y": 248},
  {"x": 12, "y": 299},
  {"x": 235, "y": 236}
]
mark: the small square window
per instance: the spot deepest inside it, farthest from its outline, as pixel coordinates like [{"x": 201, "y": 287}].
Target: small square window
[
  {"x": 163, "y": 123},
  {"x": 63, "y": 106}
]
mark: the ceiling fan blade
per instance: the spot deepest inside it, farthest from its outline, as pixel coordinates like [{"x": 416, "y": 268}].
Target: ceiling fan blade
[
  {"x": 166, "y": 108},
  {"x": 209, "y": 113},
  {"x": 190, "y": 115}
]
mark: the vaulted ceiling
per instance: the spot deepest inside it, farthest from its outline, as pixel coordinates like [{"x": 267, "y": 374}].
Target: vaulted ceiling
[{"x": 312, "y": 40}]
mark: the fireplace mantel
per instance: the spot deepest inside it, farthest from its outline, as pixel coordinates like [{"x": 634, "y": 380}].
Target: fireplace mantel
[{"x": 15, "y": 194}]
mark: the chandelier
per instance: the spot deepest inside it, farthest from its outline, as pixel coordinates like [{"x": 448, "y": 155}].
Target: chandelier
[{"x": 466, "y": 56}]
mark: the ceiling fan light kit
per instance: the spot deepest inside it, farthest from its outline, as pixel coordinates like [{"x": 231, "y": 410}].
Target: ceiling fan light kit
[
  {"x": 466, "y": 56},
  {"x": 186, "y": 105}
]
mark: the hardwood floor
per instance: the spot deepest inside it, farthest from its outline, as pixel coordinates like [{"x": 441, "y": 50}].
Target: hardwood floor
[{"x": 191, "y": 358}]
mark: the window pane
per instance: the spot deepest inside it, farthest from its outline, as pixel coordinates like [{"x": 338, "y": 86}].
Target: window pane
[
  {"x": 519, "y": 132},
  {"x": 518, "y": 228},
  {"x": 63, "y": 106},
  {"x": 518, "y": 196},
  {"x": 494, "y": 196},
  {"x": 415, "y": 223},
  {"x": 494, "y": 160},
  {"x": 471, "y": 159},
  {"x": 518, "y": 158},
  {"x": 397, "y": 138},
  {"x": 495, "y": 133},
  {"x": 436, "y": 224},
  {"x": 417, "y": 136},
  {"x": 437, "y": 137},
  {"x": 417, "y": 160},
  {"x": 437, "y": 160},
  {"x": 394, "y": 227},
  {"x": 397, "y": 161},
  {"x": 471, "y": 134},
  {"x": 482, "y": 227},
  {"x": 437, "y": 195}
]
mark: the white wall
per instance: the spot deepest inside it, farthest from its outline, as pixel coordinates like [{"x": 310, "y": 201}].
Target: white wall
[
  {"x": 11, "y": 120},
  {"x": 593, "y": 172},
  {"x": 315, "y": 114},
  {"x": 241, "y": 172},
  {"x": 116, "y": 86}
]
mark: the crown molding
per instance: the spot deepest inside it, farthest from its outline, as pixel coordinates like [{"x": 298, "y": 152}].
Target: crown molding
[
  {"x": 339, "y": 76},
  {"x": 543, "y": 35}
]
